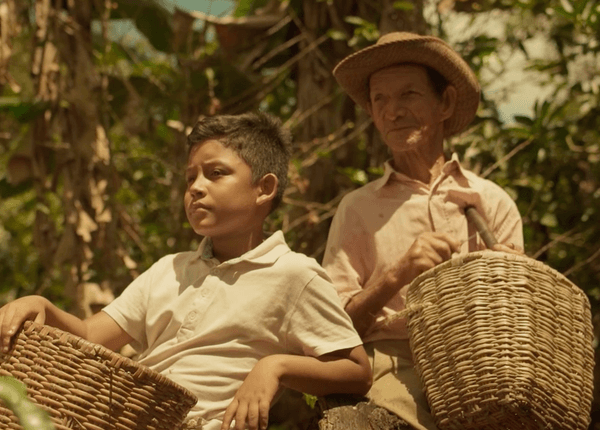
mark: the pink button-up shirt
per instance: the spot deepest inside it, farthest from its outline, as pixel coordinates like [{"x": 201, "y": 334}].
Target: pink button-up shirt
[{"x": 376, "y": 224}]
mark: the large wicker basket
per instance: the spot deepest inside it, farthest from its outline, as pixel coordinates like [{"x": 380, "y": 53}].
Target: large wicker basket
[
  {"x": 502, "y": 341},
  {"x": 83, "y": 385}
]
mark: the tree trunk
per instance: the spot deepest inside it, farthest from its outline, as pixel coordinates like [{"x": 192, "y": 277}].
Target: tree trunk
[
  {"x": 331, "y": 120},
  {"x": 71, "y": 153},
  {"x": 354, "y": 413}
]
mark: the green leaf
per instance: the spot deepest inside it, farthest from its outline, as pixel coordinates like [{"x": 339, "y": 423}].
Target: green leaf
[
  {"x": 154, "y": 23},
  {"x": 523, "y": 120},
  {"x": 336, "y": 34},
  {"x": 549, "y": 220},
  {"x": 356, "y": 20},
  {"x": 14, "y": 395},
  {"x": 244, "y": 7},
  {"x": 310, "y": 400},
  {"x": 358, "y": 176},
  {"x": 403, "y": 5},
  {"x": 23, "y": 111},
  {"x": 567, "y": 7}
]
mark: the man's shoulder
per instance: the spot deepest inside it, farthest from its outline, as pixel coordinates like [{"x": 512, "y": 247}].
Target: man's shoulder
[
  {"x": 477, "y": 181},
  {"x": 365, "y": 193}
]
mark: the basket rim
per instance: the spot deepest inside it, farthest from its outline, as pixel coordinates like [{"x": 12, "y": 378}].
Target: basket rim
[
  {"x": 94, "y": 350},
  {"x": 462, "y": 259}
]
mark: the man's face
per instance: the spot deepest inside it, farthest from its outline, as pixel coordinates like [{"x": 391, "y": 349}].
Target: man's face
[
  {"x": 220, "y": 198},
  {"x": 405, "y": 109}
]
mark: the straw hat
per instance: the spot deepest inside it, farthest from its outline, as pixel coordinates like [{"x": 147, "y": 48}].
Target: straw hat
[{"x": 354, "y": 71}]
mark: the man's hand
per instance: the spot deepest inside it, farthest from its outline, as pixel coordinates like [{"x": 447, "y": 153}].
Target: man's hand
[
  {"x": 253, "y": 399},
  {"x": 426, "y": 252},
  {"x": 15, "y": 313},
  {"x": 510, "y": 249}
]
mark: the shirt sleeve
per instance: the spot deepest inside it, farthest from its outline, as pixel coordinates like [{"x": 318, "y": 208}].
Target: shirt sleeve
[
  {"x": 344, "y": 259},
  {"x": 129, "y": 309},
  {"x": 507, "y": 224},
  {"x": 318, "y": 324}
]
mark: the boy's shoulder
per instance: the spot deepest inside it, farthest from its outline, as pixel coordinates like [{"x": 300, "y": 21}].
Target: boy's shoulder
[
  {"x": 175, "y": 260},
  {"x": 277, "y": 256},
  {"x": 297, "y": 264}
]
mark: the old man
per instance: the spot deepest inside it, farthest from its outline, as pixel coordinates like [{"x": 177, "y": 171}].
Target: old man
[{"x": 419, "y": 92}]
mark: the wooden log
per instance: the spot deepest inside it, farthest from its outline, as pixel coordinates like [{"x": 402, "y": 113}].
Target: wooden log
[{"x": 343, "y": 412}]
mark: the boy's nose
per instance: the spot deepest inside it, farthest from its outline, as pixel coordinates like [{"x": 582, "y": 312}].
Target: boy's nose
[{"x": 198, "y": 187}]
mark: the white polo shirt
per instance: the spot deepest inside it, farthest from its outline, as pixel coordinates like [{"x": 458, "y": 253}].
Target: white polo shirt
[{"x": 205, "y": 324}]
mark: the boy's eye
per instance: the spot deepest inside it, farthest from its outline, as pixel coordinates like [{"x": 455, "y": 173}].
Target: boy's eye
[{"x": 217, "y": 172}]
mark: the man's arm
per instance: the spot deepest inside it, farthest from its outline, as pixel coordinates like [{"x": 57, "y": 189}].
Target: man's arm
[
  {"x": 427, "y": 251},
  {"x": 346, "y": 371},
  {"x": 99, "y": 328}
]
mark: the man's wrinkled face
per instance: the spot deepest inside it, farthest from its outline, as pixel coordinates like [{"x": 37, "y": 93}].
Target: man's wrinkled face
[{"x": 405, "y": 108}]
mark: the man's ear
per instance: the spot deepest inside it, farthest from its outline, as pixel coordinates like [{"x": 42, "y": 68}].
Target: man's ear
[
  {"x": 370, "y": 108},
  {"x": 448, "y": 102},
  {"x": 267, "y": 188}
]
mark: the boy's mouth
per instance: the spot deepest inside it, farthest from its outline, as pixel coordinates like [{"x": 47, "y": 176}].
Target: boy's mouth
[{"x": 197, "y": 205}]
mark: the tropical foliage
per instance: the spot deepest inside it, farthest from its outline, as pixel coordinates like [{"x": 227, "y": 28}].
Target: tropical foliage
[
  {"x": 96, "y": 97},
  {"x": 14, "y": 396}
]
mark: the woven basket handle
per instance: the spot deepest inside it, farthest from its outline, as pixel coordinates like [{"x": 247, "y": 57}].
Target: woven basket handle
[
  {"x": 400, "y": 315},
  {"x": 481, "y": 226}
]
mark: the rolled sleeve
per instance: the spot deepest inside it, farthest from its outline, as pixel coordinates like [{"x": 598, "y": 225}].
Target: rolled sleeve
[
  {"x": 318, "y": 324},
  {"x": 345, "y": 255},
  {"x": 129, "y": 309}
]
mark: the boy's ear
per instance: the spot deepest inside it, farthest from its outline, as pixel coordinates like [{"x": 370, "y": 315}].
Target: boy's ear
[{"x": 267, "y": 188}]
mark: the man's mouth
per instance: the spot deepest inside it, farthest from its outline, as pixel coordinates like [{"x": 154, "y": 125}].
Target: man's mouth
[{"x": 401, "y": 128}]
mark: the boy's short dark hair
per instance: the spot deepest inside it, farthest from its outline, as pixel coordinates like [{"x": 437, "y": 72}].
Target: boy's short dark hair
[{"x": 257, "y": 137}]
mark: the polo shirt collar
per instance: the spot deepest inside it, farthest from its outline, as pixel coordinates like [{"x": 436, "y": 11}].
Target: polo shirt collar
[
  {"x": 266, "y": 253},
  {"x": 451, "y": 167}
]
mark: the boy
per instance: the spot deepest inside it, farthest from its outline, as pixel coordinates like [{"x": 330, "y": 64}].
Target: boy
[{"x": 241, "y": 317}]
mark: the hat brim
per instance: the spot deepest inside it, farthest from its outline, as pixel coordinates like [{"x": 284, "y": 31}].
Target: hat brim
[{"x": 353, "y": 73}]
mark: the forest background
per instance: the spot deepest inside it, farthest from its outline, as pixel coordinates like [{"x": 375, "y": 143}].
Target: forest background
[{"x": 93, "y": 125}]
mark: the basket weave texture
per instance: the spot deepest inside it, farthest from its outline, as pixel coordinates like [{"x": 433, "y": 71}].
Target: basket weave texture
[
  {"x": 83, "y": 385},
  {"x": 502, "y": 341}
]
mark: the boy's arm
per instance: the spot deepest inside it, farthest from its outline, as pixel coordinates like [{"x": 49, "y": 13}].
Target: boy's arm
[
  {"x": 346, "y": 371},
  {"x": 99, "y": 328}
]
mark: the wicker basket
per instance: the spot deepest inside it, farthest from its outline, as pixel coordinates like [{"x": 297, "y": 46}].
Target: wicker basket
[
  {"x": 83, "y": 385},
  {"x": 502, "y": 341}
]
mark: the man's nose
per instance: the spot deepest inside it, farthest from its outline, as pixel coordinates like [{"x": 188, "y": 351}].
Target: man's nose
[{"x": 395, "y": 110}]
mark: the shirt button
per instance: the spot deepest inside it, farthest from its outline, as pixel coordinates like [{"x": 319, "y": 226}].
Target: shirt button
[
  {"x": 192, "y": 316},
  {"x": 204, "y": 292}
]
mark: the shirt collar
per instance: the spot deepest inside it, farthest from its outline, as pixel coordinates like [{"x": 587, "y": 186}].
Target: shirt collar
[
  {"x": 451, "y": 167},
  {"x": 267, "y": 252}
]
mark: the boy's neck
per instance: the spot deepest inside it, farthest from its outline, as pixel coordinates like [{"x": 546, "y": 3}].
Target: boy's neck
[{"x": 227, "y": 248}]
